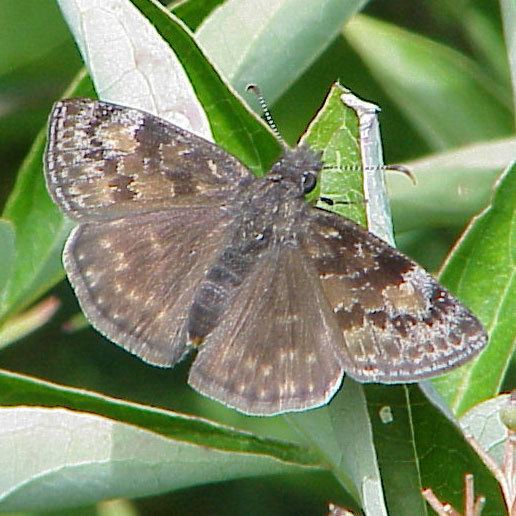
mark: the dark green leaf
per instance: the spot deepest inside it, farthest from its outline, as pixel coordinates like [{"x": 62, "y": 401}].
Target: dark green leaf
[
  {"x": 18, "y": 389},
  {"x": 420, "y": 448},
  {"x": 193, "y": 12}
]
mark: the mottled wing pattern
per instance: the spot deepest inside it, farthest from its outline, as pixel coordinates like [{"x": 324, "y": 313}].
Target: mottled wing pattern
[
  {"x": 135, "y": 277},
  {"x": 276, "y": 349},
  {"x": 104, "y": 161},
  {"x": 399, "y": 324}
]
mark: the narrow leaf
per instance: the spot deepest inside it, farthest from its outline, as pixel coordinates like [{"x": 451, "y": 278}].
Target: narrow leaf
[
  {"x": 24, "y": 323},
  {"x": 438, "y": 89},
  {"x": 508, "y": 11},
  {"x": 461, "y": 180},
  {"x": 102, "y": 458},
  {"x": 193, "y": 12},
  {"x": 16, "y": 389},
  {"x": 269, "y": 35},
  {"x": 480, "y": 270},
  {"x": 7, "y": 254}
]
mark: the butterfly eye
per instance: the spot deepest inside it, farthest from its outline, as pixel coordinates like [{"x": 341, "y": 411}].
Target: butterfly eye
[{"x": 309, "y": 181}]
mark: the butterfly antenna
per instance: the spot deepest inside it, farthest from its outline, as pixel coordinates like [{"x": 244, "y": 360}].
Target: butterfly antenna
[
  {"x": 265, "y": 110},
  {"x": 397, "y": 168},
  {"x": 403, "y": 170}
]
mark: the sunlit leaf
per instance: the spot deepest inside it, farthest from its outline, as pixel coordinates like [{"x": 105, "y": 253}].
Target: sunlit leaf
[
  {"x": 275, "y": 42},
  {"x": 480, "y": 270}
]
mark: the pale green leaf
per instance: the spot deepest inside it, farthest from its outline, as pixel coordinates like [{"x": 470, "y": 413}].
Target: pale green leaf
[
  {"x": 484, "y": 423},
  {"x": 57, "y": 458},
  {"x": 271, "y": 43},
  {"x": 7, "y": 254},
  {"x": 437, "y": 88},
  {"x": 461, "y": 179}
]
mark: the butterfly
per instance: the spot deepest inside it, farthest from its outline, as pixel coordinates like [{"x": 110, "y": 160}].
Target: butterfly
[{"x": 178, "y": 247}]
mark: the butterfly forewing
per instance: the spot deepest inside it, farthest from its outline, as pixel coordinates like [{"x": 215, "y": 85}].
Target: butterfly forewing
[
  {"x": 135, "y": 278},
  {"x": 277, "y": 348},
  {"x": 398, "y": 323},
  {"x": 105, "y": 161}
]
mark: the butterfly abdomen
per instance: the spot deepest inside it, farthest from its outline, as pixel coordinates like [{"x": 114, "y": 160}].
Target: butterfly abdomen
[{"x": 221, "y": 282}]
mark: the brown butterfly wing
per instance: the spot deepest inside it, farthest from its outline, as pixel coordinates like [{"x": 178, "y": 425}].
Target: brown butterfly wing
[
  {"x": 105, "y": 161},
  {"x": 398, "y": 323},
  {"x": 135, "y": 277},
  {"x": 277, "y": 348}
]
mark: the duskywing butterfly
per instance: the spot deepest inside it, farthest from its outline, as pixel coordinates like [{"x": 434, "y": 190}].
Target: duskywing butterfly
[{"x": 178, "y": 246}]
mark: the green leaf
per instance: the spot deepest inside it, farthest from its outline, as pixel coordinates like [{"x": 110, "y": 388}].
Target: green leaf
[
  {"x": 420, "y": 448},
  {"x": 104, "y": 460},
  {"x": 480, "y": 271},
  {"x": 269, "y": 35},
  {"x": 335, "y": 132},
  {"x": 17, "y": 53},
  {"x": 508, "y": 10},
  {"x": 479, "y": 24},
  {"x": 37, "y": 56},
  {"x": 39, "y": 226},
  {"x": 461, "y": 179},
  {"x": 118, "y": 441},
  {"x": 17, "y": 389},
  {"x": 438, "y": 89},
  {"x": 7, "y": 255},
  {"x": 390, "y": 414},
  {"x": 487, "y": 39},
  {"x": 193, "y": 12},
  {"x": 342, "y": 434},
  {"x": 24, "y": 323}
]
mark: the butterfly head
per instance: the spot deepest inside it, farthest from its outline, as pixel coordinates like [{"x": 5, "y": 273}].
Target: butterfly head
[{"x": 298, "y": 170}]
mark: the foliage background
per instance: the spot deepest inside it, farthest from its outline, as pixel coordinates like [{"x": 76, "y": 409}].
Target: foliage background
[{"x": 38, "y": 59}]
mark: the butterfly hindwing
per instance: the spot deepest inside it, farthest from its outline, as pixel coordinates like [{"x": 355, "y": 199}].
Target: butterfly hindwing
[
  {"x": 398, "y": 323},
  {"x": 135, "y": 278},
  {"x": 105, "y": 161},
  {"x": 277, "y": 347}
]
